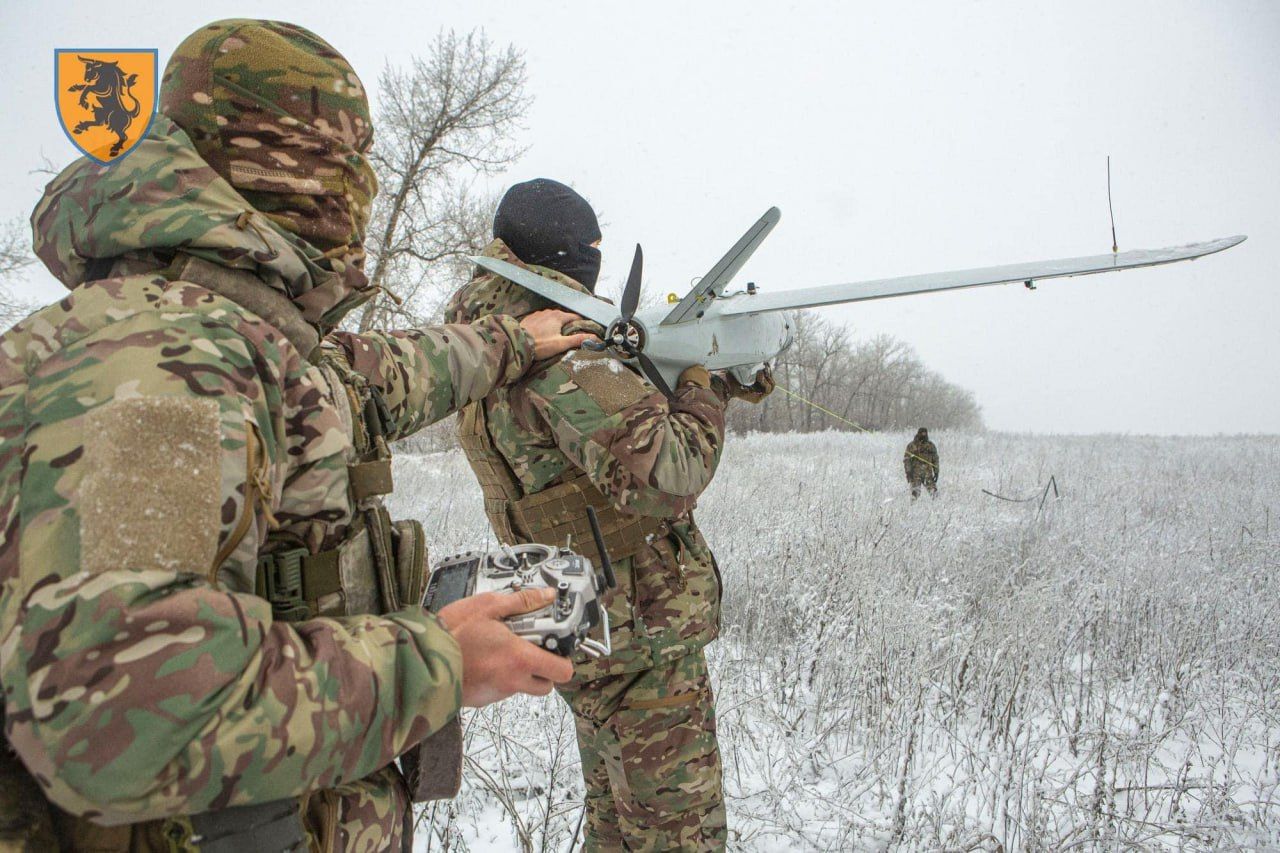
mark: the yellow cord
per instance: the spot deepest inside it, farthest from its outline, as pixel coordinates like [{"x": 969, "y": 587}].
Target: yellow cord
[
  {"x": 821, "y": 408},
  {"x": 840, "y": 418}
]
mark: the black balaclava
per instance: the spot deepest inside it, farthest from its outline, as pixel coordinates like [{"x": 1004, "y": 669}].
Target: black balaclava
[
  {"x": 922, "y": 433},
  {"x": 549, "y": 225}
]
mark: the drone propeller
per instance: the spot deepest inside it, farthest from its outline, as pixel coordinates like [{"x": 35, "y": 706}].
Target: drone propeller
[
  {"x": 650, "y": 370},
  {"x": 626, "y": 335},
  {"x": 623, "y": 333},
  {"x": 631, "y": 293}
]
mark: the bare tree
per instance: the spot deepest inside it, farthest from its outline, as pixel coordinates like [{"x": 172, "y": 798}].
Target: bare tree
[
  {"x": 15, "y": 250},
  {"x": 443, "y": 120},
  {"x": 15, "y": 254}
]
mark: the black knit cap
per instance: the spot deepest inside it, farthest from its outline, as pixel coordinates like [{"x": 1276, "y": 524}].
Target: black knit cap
[{"x": 548, "y": 224}]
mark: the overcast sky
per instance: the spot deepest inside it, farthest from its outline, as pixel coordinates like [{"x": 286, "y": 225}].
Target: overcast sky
[{"x": 897, "y": 139}]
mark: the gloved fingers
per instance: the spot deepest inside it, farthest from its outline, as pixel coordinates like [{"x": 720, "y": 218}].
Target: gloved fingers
[
  {"x": 765, "y": 381},
  {"x": 762, "y": 386},
  {"x": 695, "y": 374}
]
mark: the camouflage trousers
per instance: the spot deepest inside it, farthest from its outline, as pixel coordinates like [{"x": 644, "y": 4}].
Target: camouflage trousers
[
  {"x": 930, "y": 483},
  {"x": 650, "y": 759}
]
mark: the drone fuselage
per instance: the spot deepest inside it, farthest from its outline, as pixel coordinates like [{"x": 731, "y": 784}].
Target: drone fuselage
[
  {"x": 741, "y": 332},
  {"x": 741, "y": 343}
]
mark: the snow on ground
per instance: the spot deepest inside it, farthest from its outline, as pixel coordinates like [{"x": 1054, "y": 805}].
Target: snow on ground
[{"x": 1098, "y": 671}]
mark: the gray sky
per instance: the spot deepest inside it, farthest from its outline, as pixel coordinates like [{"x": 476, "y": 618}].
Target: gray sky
[{"x": 896, "y": 138}]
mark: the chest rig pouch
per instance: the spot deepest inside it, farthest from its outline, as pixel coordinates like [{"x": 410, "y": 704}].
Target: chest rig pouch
[
  {"x": 554, "y": 514},
  {"x": 380, "y": 565}
]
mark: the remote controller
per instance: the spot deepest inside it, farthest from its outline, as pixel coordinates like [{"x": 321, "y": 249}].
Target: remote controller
[{"x": 564, "y": 625}]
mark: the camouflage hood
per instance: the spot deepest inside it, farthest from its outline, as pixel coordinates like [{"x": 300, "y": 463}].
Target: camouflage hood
[
  {"x": 488, "y": 293},
  {"x": 164, "y": 197}
]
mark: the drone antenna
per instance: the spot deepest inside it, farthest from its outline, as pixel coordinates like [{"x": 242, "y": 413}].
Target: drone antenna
[{"x": 1115, "y": 247}]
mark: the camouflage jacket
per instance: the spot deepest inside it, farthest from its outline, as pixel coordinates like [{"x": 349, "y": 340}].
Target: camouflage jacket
[
  {"x": 920, "y": 460},
  {"x": 588, "y": 412},
  {"x": 153, "y": 433}
]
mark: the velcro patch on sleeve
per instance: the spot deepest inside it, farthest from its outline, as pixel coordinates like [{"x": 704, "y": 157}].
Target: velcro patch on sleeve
[
  {"x": 151, "y": 497},
  {"x": 606, "y": 380}
]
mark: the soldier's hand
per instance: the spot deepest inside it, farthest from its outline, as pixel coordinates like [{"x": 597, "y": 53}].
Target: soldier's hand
[
  {"x": 546, "y": 327},
  {"x": 758, "y": 390},
  {"x": 495, "y": 662},
  {"x": 753, "y": 393},
  {"x": 694, "y": 374}
]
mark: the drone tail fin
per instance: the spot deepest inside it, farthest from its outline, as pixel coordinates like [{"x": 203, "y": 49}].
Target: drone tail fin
[{"x": 711, "y": 284}]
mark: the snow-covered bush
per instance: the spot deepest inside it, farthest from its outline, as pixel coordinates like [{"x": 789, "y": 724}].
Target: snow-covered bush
[{"x": 1099, "y": 670}]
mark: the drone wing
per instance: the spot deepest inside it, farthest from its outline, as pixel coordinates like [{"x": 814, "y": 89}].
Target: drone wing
[
  {"x": 725, "y": 269},
  {"x": 812, "y": 297},
  {"x": 566, "y": 297}
]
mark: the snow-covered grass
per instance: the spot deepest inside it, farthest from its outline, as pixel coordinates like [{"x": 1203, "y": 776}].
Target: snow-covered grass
[{"x": 1097, "y": 671}]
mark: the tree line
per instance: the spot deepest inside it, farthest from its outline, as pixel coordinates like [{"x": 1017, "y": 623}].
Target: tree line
[{"x": 832, "y": 380}]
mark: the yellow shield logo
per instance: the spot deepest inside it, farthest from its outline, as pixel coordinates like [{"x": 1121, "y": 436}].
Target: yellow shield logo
[{"x": 106, "y": 98}]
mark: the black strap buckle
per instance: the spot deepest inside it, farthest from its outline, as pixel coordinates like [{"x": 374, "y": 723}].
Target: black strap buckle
[{"x": 281, "y": 575}]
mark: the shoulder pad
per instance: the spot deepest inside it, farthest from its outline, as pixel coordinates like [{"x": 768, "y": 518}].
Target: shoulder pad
[{"x": 607, "y": 380}]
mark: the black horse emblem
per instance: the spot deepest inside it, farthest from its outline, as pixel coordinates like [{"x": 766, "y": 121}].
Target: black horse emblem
[{"x": 110, "y": 87}]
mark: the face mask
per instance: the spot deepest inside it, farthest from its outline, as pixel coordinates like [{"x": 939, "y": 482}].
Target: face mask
[
  {"x": 332, "y": 215},
  {"x": 548, "y": 224},
  {"x": 581, "y": 264}
]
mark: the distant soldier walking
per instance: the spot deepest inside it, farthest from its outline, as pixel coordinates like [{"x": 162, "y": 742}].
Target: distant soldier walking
[{"x": 921, "y": 464}]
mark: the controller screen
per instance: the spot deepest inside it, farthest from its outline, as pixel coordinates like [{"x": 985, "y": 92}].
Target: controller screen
[{"x": 449, "y": 584}]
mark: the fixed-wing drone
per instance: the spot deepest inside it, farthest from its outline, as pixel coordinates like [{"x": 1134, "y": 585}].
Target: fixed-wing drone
[{"x": 742, "y": 331}]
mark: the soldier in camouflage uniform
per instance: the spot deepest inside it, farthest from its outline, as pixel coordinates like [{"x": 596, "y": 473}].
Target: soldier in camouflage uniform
[
  {"x": 921, "y": 463},
  {"x": 203, "y": 603},
  {"x": 588, "y": 431}
]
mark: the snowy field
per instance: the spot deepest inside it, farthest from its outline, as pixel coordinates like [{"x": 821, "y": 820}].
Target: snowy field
[{"x": 1097, "y": 672}]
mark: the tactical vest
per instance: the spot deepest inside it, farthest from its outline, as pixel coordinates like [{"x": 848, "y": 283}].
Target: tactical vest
[
  {"x": 378, "y": 567},
  {"x": 557, "y": 513}
]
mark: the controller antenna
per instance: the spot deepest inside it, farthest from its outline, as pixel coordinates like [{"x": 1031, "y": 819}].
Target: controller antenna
[{"x": 606, "y": 566}]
